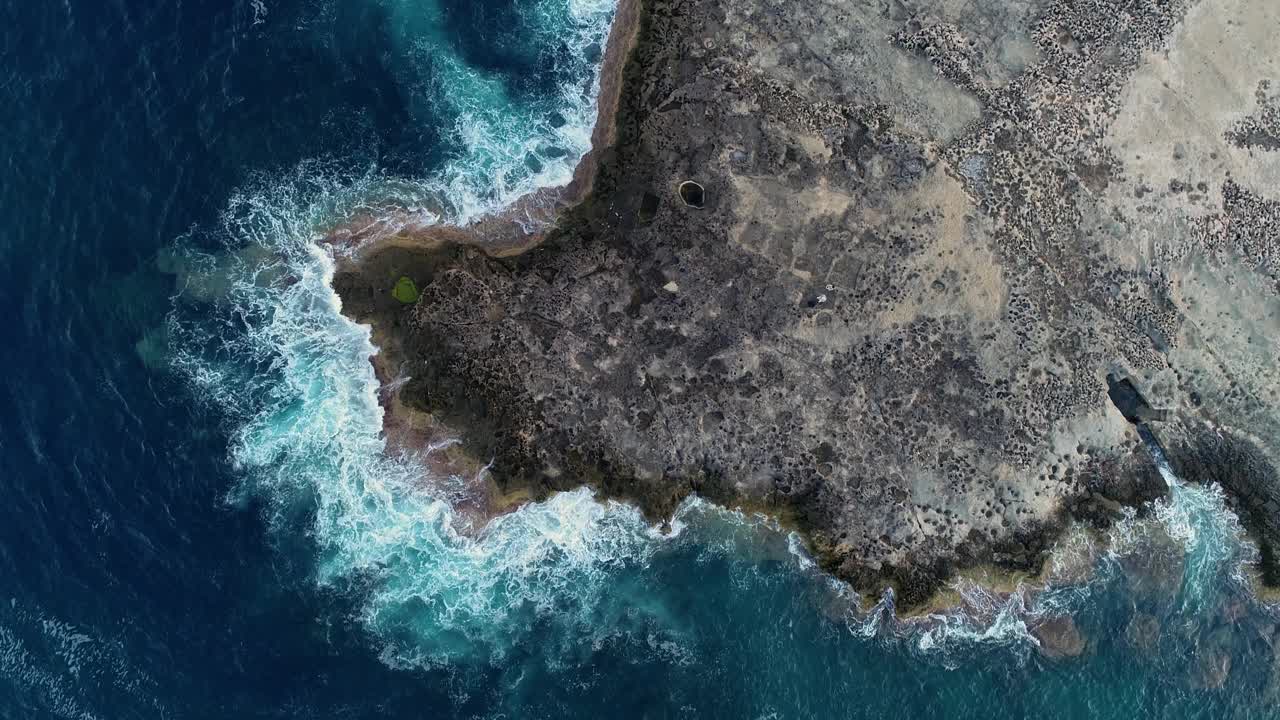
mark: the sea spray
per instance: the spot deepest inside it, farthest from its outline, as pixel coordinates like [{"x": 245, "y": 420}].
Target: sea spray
[
  {"x": 508, "y": 141},
  {"x": 439, "y": 598},
  {"x": 1186, "y": 553},
  {"x": 259, "y": 331},
  {"x": 71, "y": 667},
  {"x": 571, "y": 572},
  {"x": 1195, "y": 523},
  {"x": 276, "y": 354},
  {"x": 1211, "y": 535}
]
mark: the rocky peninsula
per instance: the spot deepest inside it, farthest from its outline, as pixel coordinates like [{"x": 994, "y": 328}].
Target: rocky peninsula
[{"x": 866, "y": 266}]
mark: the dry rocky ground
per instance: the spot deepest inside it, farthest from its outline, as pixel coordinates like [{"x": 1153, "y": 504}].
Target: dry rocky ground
[{"x": 928, "y": 231}]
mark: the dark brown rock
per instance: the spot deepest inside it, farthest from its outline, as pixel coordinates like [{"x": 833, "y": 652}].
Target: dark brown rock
[{"x": 890, "y": 316}]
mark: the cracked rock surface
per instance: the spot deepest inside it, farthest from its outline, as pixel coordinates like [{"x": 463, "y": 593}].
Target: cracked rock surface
[{"x": 928, "y": 231}]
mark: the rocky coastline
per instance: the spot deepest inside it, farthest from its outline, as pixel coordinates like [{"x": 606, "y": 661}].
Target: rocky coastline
[{"x": 924, "y": 235}]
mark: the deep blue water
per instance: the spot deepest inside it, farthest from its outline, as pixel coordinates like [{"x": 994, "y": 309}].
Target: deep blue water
[{"x": 198, "y": 520}]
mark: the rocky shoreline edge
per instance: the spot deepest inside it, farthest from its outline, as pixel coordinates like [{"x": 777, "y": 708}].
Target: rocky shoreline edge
[
  {"x": 372, "y": 259},
  {"x": 363, "y": 246}
]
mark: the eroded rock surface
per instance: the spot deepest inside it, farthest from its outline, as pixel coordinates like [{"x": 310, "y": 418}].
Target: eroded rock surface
[{"x": 927, "y": 232}]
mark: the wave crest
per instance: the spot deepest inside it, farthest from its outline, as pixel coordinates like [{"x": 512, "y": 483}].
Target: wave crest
[{"x": 259, "y": 332}]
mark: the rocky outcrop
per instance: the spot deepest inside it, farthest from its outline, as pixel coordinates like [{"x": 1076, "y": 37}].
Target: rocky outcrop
[
  {"x": 921, "y": 235},
  {"x": 1261, "y": 130},
  {"x": 1059, "y": 638},
  {"x": 1203, "y": 453}
]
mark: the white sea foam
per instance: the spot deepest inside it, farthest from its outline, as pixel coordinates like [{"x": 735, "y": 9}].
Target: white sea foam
[
  {"x": 1193, "y": 522},
  {"x": 795, "y": 546},
  {"x": 292, "y": 374},
  {"x": 510, "y": 146},
  {"x": 1210, "y": 533},
  {"x": 68, "y": 669},
  {"x": 295, "y": 373},
  {"x": 1198, "y": 522},
  {"x": 985, "y": 618}
]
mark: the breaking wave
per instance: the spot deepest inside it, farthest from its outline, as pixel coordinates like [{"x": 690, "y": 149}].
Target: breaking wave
[
  {"x": 266, "y": 343},
  {"x": 258, "y": 330},
  {"x": 506, "y": 142},
  {"x": 71, "y": 668},
  {"x": 1184, "y": 554}
]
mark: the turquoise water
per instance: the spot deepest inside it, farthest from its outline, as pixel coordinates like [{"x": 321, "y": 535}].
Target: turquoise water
[{"x": 204, "y": 523}]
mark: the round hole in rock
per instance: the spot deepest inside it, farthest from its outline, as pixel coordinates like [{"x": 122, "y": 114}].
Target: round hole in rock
[{"x": 692, "y": 194}]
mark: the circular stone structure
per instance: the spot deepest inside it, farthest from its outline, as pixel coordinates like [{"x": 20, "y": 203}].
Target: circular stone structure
[{"x": 692, "y": 194}]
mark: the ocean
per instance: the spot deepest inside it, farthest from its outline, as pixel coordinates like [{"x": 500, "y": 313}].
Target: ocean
[{"x": 200, "y": 520}]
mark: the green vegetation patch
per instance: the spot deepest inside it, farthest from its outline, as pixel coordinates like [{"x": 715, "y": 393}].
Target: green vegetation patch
[{"x": 405, "y": 290}]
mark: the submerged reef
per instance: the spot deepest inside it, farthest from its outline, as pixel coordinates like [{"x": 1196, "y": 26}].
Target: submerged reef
[{"x": 867, "y": 267}]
